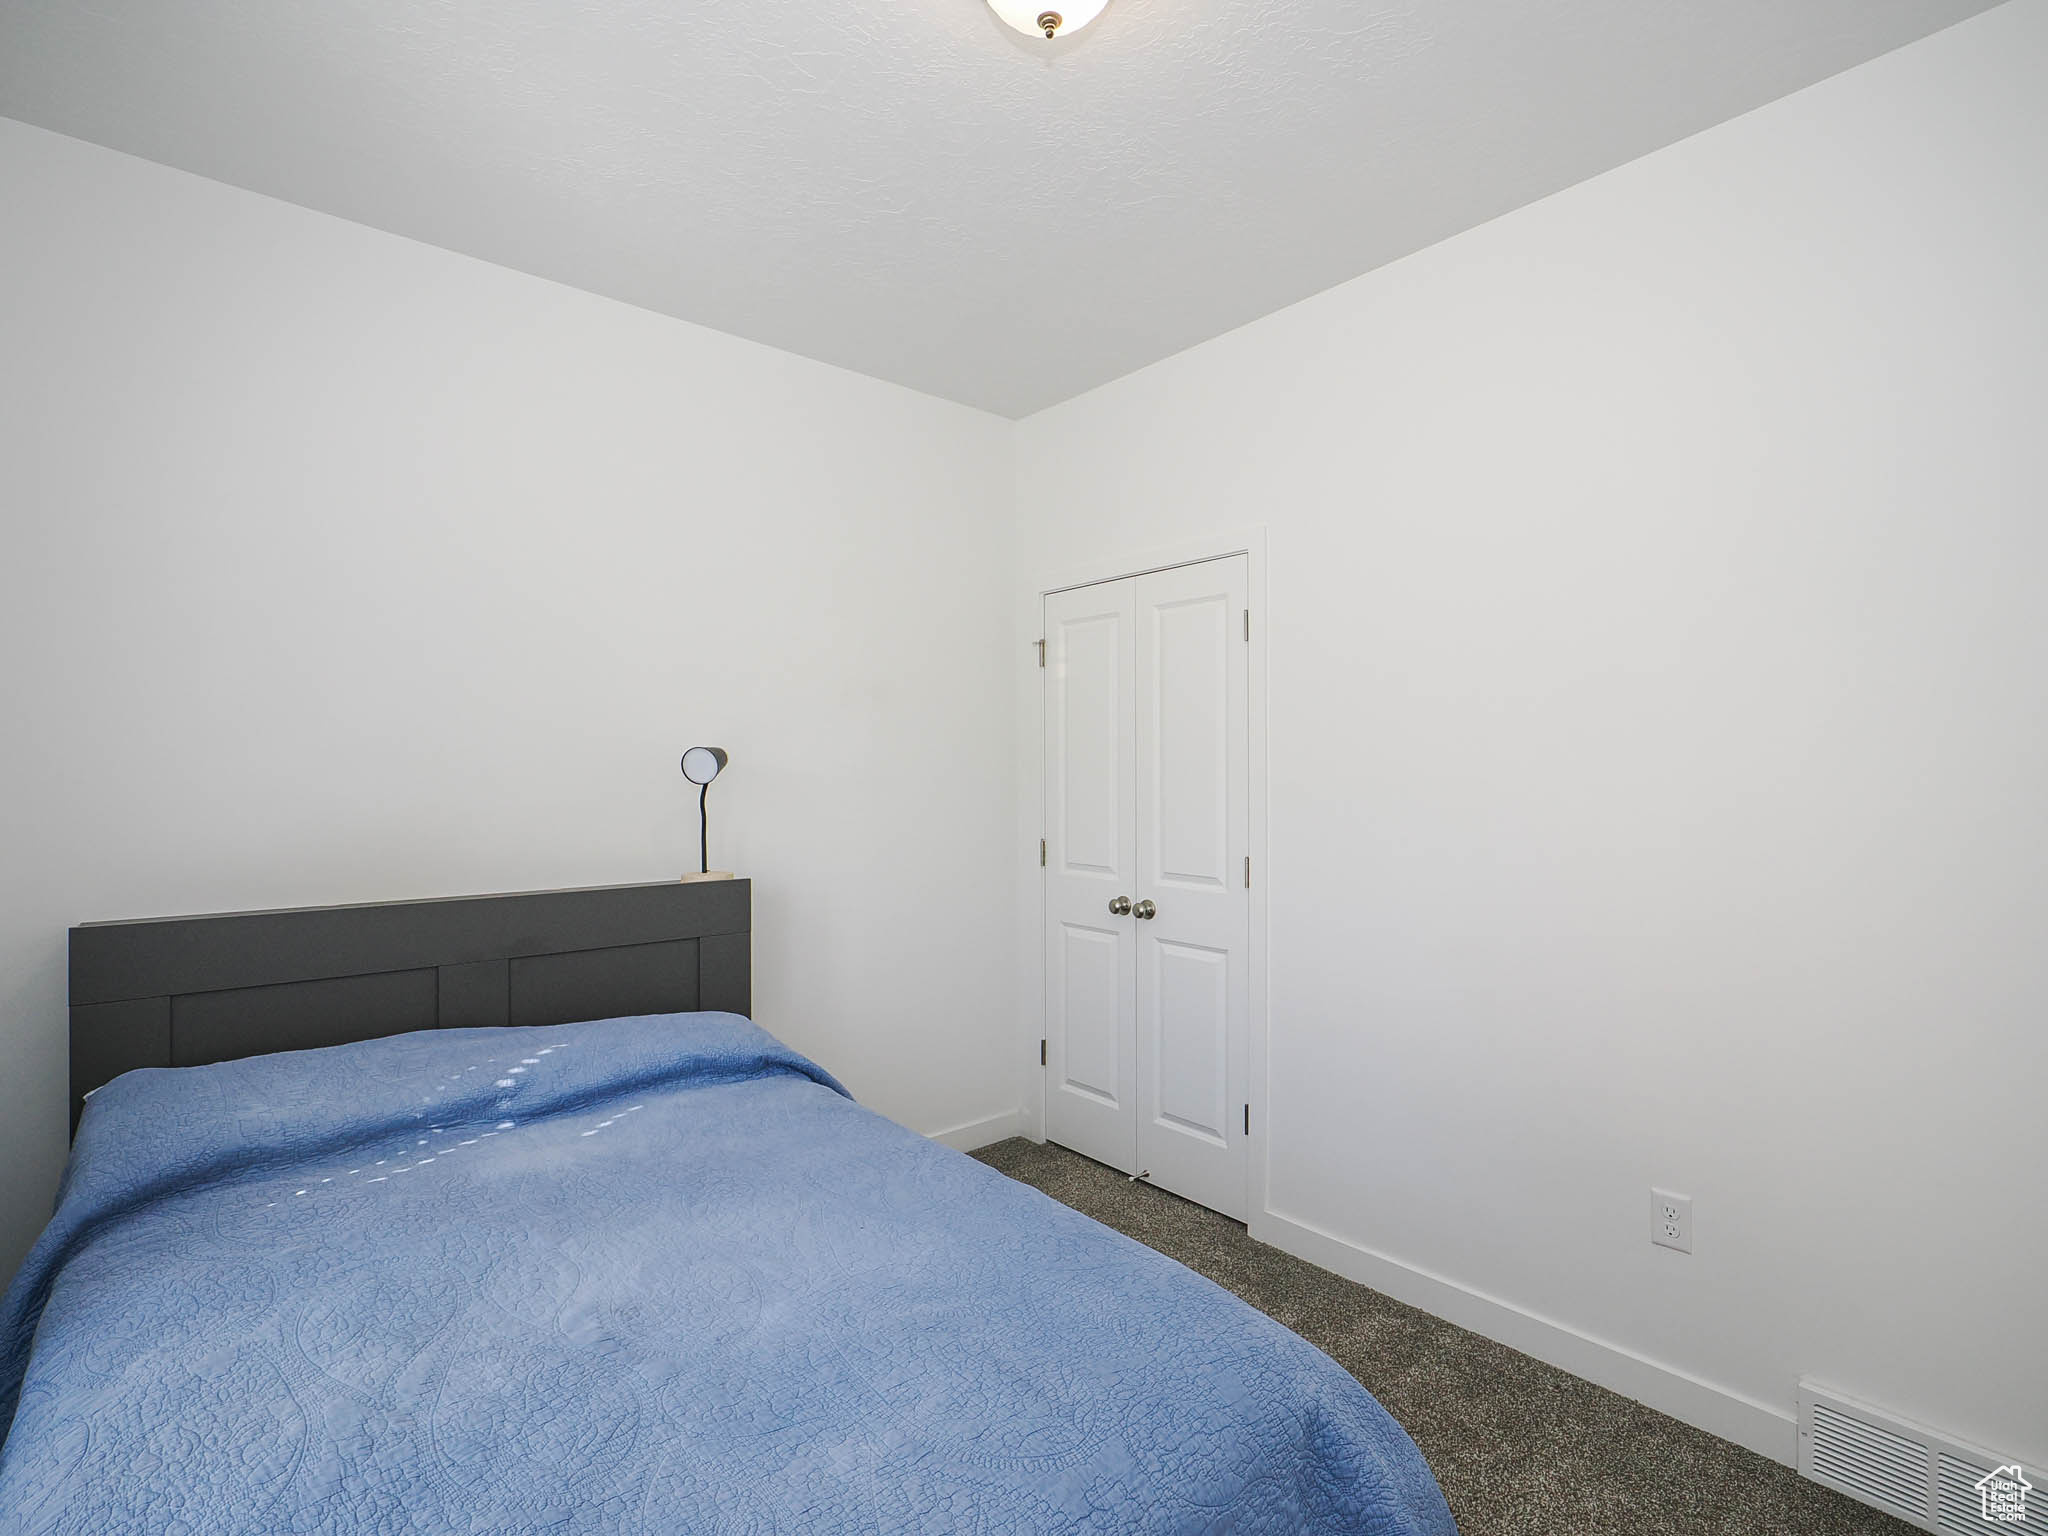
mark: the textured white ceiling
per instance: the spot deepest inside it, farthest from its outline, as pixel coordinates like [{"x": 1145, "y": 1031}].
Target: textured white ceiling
[{"x": 907, "y": 187}]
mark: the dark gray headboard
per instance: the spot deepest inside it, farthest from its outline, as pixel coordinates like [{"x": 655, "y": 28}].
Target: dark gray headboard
[{"x": 184, "y": 991}]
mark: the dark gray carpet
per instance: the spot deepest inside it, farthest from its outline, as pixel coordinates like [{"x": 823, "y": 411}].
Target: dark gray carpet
[{"x": 1521, "y": 1448}]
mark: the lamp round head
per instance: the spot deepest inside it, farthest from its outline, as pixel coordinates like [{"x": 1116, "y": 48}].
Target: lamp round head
[{"x": 702, "y": 764}]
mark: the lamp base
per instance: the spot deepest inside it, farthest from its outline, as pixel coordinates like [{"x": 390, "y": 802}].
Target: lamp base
[{"x": 709, "y": 874}]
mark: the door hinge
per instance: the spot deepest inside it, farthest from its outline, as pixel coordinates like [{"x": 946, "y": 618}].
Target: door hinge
[
  {"x": 1041, "y": 853},
  {"x": 1247, "y": 624},
  {"x": 1041, "y": 653},
  {"x": 1041, "y": 1053},
  {"x": 1247, "y": 871},
  {"x": 1247, "y": 1119}
]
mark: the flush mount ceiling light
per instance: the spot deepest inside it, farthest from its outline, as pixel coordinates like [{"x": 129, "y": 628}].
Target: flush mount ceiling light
[{"x": 1036, "y": 18}]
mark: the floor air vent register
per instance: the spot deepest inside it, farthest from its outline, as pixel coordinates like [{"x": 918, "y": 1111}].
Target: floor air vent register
[{"x": 1908, "y": 1470}]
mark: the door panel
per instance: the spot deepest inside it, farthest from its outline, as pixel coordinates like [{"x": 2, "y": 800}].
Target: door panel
[
  {"x": 1191, "y": 1069},
  {"x": 1091, "y": 858},
  {"x": 1192, "y": 676},
  {"x": 1189, "y": 780},
  {"x": 1094, "y": 695},
  {"x": 1091, "y": 1013}
]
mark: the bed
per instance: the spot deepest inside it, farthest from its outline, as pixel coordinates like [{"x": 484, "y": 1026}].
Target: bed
[{"x": 638, "y": 1269}]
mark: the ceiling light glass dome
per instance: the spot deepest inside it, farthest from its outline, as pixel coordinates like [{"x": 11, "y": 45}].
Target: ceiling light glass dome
[{"x": 1048, "y": 18}]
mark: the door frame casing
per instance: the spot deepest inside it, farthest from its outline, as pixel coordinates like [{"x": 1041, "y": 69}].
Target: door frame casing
[{"x": 1032, "y": 1023}]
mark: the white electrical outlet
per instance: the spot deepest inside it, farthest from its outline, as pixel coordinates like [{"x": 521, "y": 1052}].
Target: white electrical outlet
[{"x": 1671, "y": 1220}]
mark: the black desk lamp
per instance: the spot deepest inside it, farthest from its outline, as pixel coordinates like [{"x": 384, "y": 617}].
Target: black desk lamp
[{"x": 700, "y": 766}]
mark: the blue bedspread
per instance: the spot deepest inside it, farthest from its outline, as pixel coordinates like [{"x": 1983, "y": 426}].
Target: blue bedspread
[{"x": 644, "y": 1275}]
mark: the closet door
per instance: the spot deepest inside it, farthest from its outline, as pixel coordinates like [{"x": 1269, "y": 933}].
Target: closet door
[
  {"x": 1192, "y": 681},
  {"x": 1090, "y": 858}
]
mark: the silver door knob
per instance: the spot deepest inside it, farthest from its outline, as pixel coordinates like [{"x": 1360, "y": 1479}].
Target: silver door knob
[
  {"x": 1119, "y": 905},
  {"x": 1144, "y": 909}
]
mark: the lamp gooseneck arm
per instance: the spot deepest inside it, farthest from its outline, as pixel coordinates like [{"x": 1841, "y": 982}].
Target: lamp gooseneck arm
[{"x": 704, "y": 830}]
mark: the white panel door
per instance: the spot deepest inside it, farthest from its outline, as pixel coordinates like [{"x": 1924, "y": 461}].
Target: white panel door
[
  {"x": 1090, "y": 855},
  {"x": 1192, "y": 677}
]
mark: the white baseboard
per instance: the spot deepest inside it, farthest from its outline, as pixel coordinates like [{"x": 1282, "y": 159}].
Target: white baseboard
[
  {"x": 976, "y": 1134},
  {"x": 1766, "y": 1430}
]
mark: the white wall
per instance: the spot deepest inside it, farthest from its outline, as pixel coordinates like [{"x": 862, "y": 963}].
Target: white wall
[
  {"x": 339, "y": 568},
  {"x": 1659, "y": 744}
]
